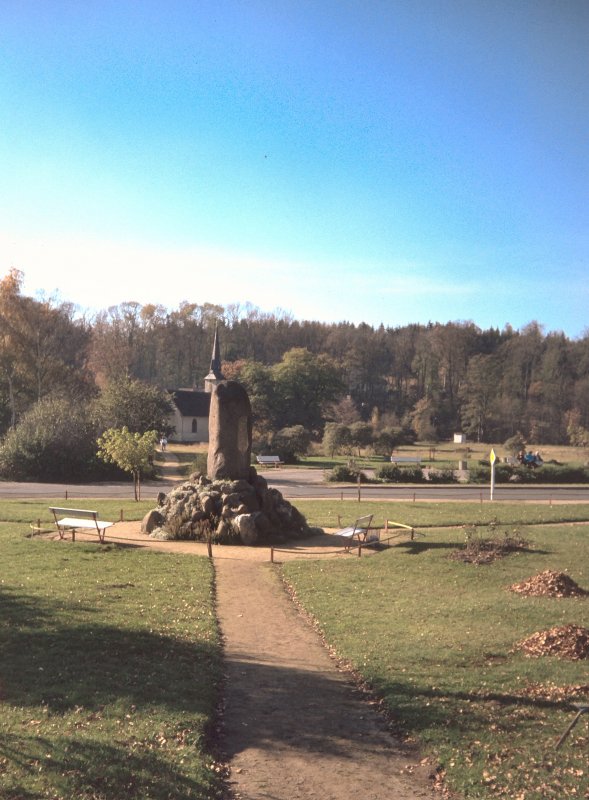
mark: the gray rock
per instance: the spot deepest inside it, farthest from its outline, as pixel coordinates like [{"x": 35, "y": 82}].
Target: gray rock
[
  {"x": 152, "y": 520},
  {"x": 225, "y": 532},
  {"x": 232, "y": 500},
  {"x": 245, "y": 524}
]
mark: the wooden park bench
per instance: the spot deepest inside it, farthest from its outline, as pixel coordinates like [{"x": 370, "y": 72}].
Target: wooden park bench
[
  {"x": 269, "y": 461},
  {"x": 78, "y": 518}
]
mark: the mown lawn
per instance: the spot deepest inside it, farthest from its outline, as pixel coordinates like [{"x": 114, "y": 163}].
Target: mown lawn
[
  {"x": 435, "y": 637},
  {"x": 110, "y": 660},
  {"x": 109, "y": 667},
  {"x": 427, "y": 514}
]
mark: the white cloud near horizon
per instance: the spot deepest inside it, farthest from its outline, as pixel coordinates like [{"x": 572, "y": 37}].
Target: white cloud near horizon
[{"x": 96, "y": 274}]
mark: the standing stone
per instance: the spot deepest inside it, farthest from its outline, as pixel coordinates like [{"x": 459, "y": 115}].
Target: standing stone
[{"x": 230, "y": 432}]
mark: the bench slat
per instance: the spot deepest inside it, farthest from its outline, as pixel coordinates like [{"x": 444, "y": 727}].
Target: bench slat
[
  {"x": 72, "y": 522},
  {"x": 79, "y": 512}
]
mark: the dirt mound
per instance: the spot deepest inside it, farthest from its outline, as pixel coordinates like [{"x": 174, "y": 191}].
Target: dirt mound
[
  {"x": 565, "y": 641},
  {"x": 549, "y": 584}
]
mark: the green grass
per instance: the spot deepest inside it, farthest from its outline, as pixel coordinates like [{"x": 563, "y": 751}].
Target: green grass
[
  {"x": 327, "y": 462},
  {"x": 38, "y": 509},
  {"x": 445, "y": 455},
  {"x": 434, "y": 637},
  {"x": 109, "y": 668},
  {"x": 427, "y": 514},
  {"x": 110, "y": 659}
]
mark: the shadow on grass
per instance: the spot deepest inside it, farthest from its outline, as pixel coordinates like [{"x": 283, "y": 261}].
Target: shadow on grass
[
  {"x": 62, "y": 666},
  {"x": 317, "y": 713},
  {"x": 416, "y": 547},
  {"x": 84, "y": 768}
]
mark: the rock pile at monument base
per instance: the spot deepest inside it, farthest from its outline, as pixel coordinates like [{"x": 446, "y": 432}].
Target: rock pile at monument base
[{"x": 228, "y": 511}]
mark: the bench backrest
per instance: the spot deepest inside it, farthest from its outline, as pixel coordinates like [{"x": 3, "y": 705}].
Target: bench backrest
[
  {"x": 270, "y": 459},
  {"x": 362, "y": 523},
  {"x": 74, "y": 512}
]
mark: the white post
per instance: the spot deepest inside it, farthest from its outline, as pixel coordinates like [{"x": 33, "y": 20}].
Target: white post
[{"x": 492, "y": 459}]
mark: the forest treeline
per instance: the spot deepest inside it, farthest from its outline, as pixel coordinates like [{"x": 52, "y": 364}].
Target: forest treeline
[{"x": 433, "y": 379}]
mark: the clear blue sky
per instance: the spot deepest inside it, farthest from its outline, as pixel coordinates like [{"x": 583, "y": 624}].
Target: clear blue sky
[{"x": 388, "y": 161}]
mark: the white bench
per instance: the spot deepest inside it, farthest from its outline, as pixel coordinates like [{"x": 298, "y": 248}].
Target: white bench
[
  {"x": 360, "y": 533},
  {"x": 269, "y": 461},
  {"x": 405, "y": 459},
  {"x": 80, "y": 518}
]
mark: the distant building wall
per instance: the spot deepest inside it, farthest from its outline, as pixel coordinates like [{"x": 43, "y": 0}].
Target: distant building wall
[
  {"x": 184, "y": 428},
  {"x": 189, "y": 416}
]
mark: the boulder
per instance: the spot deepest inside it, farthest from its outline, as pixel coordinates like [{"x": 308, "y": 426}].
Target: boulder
[
  {"x": 245, "y": 524},
  {"x": 152, "y": 520}
]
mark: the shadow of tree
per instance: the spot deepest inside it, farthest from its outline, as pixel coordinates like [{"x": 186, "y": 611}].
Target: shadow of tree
[
  {"x": 82, "y": 676},
  {"x": 86, "y": 768},
  {"x": 91, "y": 665},
  {"x": 317, "y": 712}
]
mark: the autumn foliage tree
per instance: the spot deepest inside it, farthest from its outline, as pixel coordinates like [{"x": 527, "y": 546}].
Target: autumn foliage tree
[{"x": 43, "y": 350}]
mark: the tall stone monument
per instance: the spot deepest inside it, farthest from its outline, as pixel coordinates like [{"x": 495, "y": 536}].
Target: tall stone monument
[
  {"x": 231, "y": 503},
  {"x": 230, "y": 432}
]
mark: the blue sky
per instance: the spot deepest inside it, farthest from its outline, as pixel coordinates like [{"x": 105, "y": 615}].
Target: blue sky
[{"x": 389, "y": 161}]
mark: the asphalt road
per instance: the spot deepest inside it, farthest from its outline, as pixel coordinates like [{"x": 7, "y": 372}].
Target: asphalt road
[{"x": 309, "y": 483}]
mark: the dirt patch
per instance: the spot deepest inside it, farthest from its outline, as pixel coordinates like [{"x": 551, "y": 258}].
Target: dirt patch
[
  {"x": 549, "y": 584},
  {"x": 565, "y": 641},
  {"x": 486, "y": 545}
]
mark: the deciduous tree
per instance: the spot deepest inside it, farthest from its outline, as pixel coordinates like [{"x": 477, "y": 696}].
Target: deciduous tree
[
  {"x": 133, "y": 404},
  {"x": 132, "y": 452}
]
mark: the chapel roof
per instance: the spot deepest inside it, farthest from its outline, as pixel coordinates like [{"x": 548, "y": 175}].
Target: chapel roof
[{"x": 192, "y": 403}]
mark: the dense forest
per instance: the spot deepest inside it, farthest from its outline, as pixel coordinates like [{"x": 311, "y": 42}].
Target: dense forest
[{"x": 434, "y": 379}]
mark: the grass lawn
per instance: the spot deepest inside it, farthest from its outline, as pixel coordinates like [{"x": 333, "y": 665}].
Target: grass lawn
[
  {"x": 444, "y": 455},
  {"x": 428, "y": 514},
  {"x": 109, "y": 667},
  {"x": 434, "y": 637},
  {"x": 110, "y": 659}
]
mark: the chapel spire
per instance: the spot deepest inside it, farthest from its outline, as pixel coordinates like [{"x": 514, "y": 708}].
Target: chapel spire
[{"x": 215, "y": 374}]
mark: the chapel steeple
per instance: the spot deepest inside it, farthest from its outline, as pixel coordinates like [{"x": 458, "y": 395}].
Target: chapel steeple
[{"x": 215, "y": 375}]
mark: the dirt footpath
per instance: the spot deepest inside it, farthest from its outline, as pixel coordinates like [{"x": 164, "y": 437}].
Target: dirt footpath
[{"x": 295, "y": 728}]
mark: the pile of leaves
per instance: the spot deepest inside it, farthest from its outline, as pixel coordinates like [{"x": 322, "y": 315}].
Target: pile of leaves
[
  {"x": 564, "y": 641},
  {"x": 483, "y": 547},
  {"x": 557, "y": 694},
  {"x": 549, "y": 584}
]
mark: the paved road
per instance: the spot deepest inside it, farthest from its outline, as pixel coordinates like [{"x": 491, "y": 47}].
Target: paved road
[
  {"x": 309, "y": 483},
  {"x": 301, "y": 483}
]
